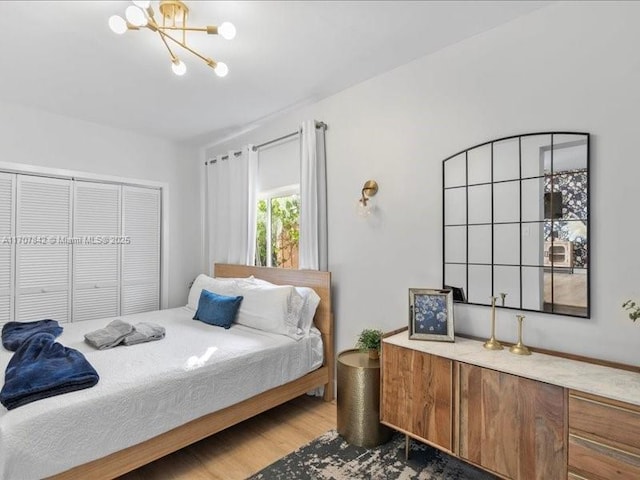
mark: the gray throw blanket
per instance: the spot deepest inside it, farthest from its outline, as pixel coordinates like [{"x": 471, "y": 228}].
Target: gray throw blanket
[
  {"x": 144, "y": 332},
  {"x": 119, "y": 332},
  {"x": 109, "y": 336}
]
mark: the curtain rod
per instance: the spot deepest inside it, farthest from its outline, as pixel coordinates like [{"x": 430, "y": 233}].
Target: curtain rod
[
  {"x": 289, "y": 135},
  {"x": 256, "y": 147},
  {"x": 275, "y": 140}
]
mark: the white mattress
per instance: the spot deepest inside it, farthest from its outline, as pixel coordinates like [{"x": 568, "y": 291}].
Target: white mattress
[{"x": 145, "y": 390}]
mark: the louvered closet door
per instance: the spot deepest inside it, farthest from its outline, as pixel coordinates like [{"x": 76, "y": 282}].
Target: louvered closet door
[
  {"x": 141, "y": 256},
  {"x": 7, "y": 250},
  {"x": 43, "y": 259},
  {"x": 96, "y": 251}
]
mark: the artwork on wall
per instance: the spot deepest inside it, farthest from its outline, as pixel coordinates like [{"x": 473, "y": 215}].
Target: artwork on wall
[{"x": 431, "y": 314}]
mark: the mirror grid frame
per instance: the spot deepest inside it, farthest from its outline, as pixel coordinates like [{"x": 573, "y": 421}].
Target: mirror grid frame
[{"x": 552, "y": 269}]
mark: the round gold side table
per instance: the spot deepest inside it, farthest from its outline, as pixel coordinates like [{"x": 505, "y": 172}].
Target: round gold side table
[{"x": 359, "y": 400}]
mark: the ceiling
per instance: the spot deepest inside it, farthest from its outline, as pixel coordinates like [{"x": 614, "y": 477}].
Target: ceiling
[{"x": 66, "y": 60}]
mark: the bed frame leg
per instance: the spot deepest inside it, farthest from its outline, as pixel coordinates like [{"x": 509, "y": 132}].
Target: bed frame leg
[{"x": 328, "y": 392}]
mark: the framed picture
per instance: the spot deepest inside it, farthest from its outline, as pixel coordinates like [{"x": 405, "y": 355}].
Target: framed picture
[{"x": 431, "y": 314}]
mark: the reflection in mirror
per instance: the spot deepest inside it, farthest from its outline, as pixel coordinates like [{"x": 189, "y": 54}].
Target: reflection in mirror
[
  {"x": 569, "y": 153},
  {"x": 532, "y": 243},
  {"x": 455, "y": 171},
  {"x": 455, "y": 203},
  {"x": 480, "y": 244},
  {"x": 457, "y": 275},
  {"x": 479, "y": 165},
  {"x": 507, "y": 280},
  {"x": 506, "y": 244},
  {"x": 533, "y": 148},
  {"x": 456, "y": 240},
  {"x": 532, "y": 199},
  {"x": 565, "y": 291},
  {"x": 479, "y": 288},
  {"x": 532, "y": 288},
  {"x": 505, "y": 160},
  {"x": 506, "y": 202},
  {"x": 479, "y": 204},
  {"x": 525, "y": 215}
]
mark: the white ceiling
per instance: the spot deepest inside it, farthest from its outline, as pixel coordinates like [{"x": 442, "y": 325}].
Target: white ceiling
[{"x": 62, "y": 57}]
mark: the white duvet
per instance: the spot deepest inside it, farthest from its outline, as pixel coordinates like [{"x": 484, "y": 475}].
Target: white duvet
[{"x": 146, "y": 389}]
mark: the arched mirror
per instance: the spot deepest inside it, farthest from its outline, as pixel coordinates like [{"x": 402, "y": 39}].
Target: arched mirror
[{"x": 516, "y": 223}]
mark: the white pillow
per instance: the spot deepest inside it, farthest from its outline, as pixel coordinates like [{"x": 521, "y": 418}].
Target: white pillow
[
  {"x": 266, "y": 307},
  {"x": 311, "y": 302},
  {"x": 296, "y": 306},
  {"x": 221, "y": 286}
]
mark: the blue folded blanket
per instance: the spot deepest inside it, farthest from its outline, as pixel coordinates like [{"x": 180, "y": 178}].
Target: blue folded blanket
[
  {"x": 42, "y": 368},
  {"x": 15, "y": 333}
]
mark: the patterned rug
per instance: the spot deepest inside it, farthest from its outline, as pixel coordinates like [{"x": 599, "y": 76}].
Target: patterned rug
[{"x": 330, "y": 457}]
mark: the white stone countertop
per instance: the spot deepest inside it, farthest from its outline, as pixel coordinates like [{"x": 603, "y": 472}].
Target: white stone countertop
[{"x": 608, "y": 382}]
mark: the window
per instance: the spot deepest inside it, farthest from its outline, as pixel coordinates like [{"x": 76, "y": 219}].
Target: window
[{"x": 278, "y": 227}]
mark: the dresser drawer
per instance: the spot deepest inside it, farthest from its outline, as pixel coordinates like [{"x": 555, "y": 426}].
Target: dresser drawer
[
  {"x": 597, "y": 461},
  {"x": 613, "y": 423}
]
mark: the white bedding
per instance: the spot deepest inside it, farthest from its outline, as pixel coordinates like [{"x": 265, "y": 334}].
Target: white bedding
[{"x": 145, "y": 390}]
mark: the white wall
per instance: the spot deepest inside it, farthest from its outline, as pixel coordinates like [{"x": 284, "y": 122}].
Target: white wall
[
  {"x": 572, "y": 66},
  {"x": 34, "y": 137}
]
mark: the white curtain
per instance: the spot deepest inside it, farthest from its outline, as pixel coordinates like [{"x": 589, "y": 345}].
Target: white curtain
[
  {"x": 313, "y": 198},
  {"x": 231, "y": 207}
]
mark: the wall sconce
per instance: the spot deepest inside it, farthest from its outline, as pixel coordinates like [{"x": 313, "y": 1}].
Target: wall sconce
[{"x": 369, "y": 189}]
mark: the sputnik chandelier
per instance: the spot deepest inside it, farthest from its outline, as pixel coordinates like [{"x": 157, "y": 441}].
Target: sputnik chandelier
[{"x": 174, "y": 19}]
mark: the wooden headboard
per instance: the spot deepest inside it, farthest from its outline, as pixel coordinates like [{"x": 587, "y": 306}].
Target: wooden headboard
[{"x": 319, "y": 281}]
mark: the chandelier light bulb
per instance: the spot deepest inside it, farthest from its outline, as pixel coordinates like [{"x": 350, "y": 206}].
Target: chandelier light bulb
[
  {"x": 227, "y": 30},
  {"x": 135, "y": 16},
  {"x": 117, "y": 24},
  {"x": 140, "y": 15},
  {"x": 221, "y": 69},
  {"x": 178, "y": 67},
  {"x": 143, "y": 5}
]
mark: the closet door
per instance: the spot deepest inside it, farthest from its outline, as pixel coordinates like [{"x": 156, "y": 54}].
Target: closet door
[
  {"x": 96, "y": 251},
  {"x": 43, "y": 260},
  {"x": 141, "y": 254},
  {"x": 7, "y": 249}
]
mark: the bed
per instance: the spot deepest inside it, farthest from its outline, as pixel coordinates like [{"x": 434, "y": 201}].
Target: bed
[{"x": 166, "y": 408}]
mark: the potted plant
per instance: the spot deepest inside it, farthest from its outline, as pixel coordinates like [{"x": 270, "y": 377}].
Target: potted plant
[
  {"x": 369, "y": 341},
  {"x": 633, "y": 309}
]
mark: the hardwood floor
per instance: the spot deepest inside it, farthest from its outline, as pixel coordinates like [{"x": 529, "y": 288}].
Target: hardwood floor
[{"x": 246, "y": 448}]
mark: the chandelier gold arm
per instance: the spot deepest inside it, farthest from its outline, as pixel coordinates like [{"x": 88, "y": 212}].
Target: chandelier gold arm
[
  {"x": 173, "y": 57},
  {"x": 210, "y": 29},
  {"x": 212, "y": 63}
]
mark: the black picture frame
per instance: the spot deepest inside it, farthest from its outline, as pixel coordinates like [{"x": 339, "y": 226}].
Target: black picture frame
[{"x": 458, "y": 293}]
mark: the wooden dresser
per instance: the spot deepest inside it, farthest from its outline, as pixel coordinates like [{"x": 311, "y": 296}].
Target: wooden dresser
[
  {"x": 604, "y": 438},
  {"x": 539, "y": 417}
]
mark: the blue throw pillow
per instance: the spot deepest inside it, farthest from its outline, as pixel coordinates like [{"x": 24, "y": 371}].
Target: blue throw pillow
[{"x": 217, "y": 309}]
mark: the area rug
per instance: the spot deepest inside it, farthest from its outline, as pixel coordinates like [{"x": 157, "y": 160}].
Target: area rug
[{"x": 330, "y": 457}]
